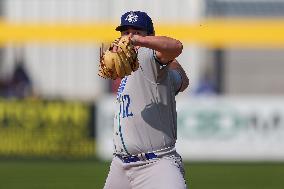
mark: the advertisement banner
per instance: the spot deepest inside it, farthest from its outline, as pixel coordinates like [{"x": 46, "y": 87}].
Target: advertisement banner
[
  {"x": 37, "y": 128},
  {"x": 216, "y": 129}
]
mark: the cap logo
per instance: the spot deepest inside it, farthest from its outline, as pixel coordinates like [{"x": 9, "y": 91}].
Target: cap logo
[{"x": 131, "y": 17}]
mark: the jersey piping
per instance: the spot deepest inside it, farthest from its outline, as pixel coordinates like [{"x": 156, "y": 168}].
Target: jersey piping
[{"x": 121, "y": 136}]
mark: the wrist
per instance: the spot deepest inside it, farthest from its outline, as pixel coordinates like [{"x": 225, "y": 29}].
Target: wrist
[{"x": 137, "y": 40}]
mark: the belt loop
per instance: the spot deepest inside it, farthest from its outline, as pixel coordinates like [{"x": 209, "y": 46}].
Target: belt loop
[{"x": 142, "y": 157}]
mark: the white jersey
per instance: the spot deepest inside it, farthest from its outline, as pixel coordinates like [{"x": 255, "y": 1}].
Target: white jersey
[{"x": 145, "y": 118}]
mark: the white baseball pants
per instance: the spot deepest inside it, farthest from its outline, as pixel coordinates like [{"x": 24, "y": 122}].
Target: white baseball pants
[{"x": 160, "y": 173}]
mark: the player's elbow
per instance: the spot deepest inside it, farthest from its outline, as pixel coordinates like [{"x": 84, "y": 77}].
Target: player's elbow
[
  {"x": 179, "y": 47},
  {"x": 176, "y": 51}
]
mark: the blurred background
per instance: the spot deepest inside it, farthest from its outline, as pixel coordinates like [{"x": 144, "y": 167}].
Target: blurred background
[{"x": 56, "y": 112}]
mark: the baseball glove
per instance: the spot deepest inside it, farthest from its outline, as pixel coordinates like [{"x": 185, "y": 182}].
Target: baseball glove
[{"x": 120, "y": 63}]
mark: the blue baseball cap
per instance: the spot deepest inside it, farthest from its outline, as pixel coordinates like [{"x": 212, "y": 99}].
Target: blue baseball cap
[{"x": 136, "y": 19}]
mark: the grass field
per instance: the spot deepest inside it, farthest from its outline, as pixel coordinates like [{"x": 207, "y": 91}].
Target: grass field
[{"x": 43, "y": 174}]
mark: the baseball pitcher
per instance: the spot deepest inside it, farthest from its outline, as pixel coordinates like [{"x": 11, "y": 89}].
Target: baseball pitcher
[{"x": 145, "y": 122}]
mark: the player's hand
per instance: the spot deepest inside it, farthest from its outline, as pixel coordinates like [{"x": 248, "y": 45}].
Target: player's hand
[{"x": 134, "y": 39}]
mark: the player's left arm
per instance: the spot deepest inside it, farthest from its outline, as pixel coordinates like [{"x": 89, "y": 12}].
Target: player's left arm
[
  {"x": 180, "y": 76},
  {"x": 166, "y": 48}
]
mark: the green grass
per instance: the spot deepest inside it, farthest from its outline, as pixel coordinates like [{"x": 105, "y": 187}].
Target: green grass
[{"x": 43, "y": 174}]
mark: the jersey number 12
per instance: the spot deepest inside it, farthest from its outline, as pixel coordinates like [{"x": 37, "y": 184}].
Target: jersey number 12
[{"x": 124, "y": 106}]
